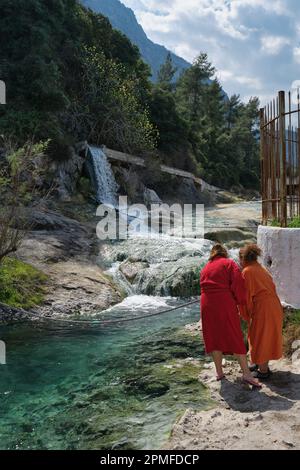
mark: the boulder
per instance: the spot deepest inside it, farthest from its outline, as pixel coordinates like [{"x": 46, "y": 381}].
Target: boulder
[
  {"x": 188, "y": 193},
  {"x": 67, "y": 174},
  {"x": 161, "y": 266},
  {"x": 151, "y": 197},
  {"x": 230, "y": 235},
  {"x": 8, "y": 313},
  {"x": 131, "y": 269}
]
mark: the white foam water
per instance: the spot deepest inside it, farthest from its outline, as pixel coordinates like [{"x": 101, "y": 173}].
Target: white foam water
[
  {"x": 105, "y": 183},
  {"x": 142, "y": 303}
]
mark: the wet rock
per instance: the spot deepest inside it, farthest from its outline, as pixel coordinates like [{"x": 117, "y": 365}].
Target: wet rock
[
  {"x": 28, "y": 428},
  {"x": 151, "y": 197},
  {"x": 148, "y": 386},
  {"x": 230, "y": 235},
  {"x": 131, "y": 269},
  {"x": 165, "y": 267},
  {"x": 8, "y": 313}
]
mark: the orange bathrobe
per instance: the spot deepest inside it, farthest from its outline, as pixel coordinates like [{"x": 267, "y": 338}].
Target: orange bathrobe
[{"x": 264, "y": 314}]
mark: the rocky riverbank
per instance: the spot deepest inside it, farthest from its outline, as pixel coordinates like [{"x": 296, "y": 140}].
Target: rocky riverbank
[
  {"x": 86, "y": 276},
  {"x": 65, "y": 250},
  {"x": 243, "y": 418}
]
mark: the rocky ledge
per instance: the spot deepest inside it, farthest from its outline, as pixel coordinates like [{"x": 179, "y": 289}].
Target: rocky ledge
[
  {"x": 162, "y": 266},
  {"x": 65, "y": 250},
  {"x": 267, "y": 419}
]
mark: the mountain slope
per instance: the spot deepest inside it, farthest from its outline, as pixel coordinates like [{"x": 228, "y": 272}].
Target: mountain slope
[{"x": 123, "y": 19}]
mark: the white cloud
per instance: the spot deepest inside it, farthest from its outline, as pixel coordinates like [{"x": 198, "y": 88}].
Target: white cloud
[
  {"x": 296, "y": 53},
  {"x": 273, "y": 45},
  {"x": 250, "y": 82},
  {"x": 255, "y": 44}
]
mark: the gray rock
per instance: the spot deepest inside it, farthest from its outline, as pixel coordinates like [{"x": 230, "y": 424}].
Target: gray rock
[
  {"x": 160, "y": 266},
  {"x": 64, "y": 250},
  {"x": 188, "y": 193},
  {"x": 131, "y": 269},
  {"x": 66, "y": 174},
  {"x": 38, "y": 219},
  {"x": 230, "y": 235},
  {"x": 151, "y": 197},
  {"x": 8, "y": 314}
]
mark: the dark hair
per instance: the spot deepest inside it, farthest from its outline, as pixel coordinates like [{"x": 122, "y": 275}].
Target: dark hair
[
  {"x": 250, "y": 252},
  {"x": 218, "y": 250}
]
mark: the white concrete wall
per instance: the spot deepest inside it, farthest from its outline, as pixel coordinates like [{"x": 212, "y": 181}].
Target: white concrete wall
[{"x": 281, "y": 255}]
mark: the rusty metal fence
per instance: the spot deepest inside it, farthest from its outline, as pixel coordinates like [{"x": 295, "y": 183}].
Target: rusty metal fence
[{"x": 280, "y": 158}]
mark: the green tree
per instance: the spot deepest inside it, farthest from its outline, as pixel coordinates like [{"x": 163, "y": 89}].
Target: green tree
[
  {"x": 107, "y": 108},
  {"x": 192, "y": 87},
  {"x": 166, "y": 73},
  {"x": 43, "y": 62},
  {"x": 174, "y": 134}
]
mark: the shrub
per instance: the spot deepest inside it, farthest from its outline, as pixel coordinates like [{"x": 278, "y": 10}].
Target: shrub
[
  {"x": 291, "y": 331},
  {"x": 294, "y": 223}
]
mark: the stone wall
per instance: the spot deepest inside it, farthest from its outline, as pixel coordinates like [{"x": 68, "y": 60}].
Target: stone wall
[{"x": 281, "y": 255}]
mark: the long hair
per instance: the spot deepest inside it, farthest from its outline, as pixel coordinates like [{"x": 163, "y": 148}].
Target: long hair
[
  {"x": 218, "y": 250},
  {"x": 250, "y": 253}
]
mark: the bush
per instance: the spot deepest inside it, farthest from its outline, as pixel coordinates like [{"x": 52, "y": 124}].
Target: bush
[
  {"x": 291, "y": 331},
  {"x": 21, "y": 285},
  {"x": 295, "y": 223}
]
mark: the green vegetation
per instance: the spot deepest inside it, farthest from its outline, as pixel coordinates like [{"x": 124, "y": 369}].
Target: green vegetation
[
  {"x": 21, "y": 285},
  {"x": 275, "y": 223},
  {"x": 293, "y": 223},
  {"x": 20, "y": 173},
  {"x": 291, "y": 331},
  {"x": 71, "y": 77},
  {"x": 203, "y": 131}
]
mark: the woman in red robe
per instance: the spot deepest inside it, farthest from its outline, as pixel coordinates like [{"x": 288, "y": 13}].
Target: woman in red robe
[{"x": 222, "y": 290}]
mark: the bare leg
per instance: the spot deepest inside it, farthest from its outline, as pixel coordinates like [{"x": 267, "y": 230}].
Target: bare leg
[
  {"x": 264, "y": 368},
  {"x": 242, "y": 358},
  {"x": 217, "y": 358}
]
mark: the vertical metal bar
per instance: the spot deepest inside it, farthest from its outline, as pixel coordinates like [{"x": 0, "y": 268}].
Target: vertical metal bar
[
  {"x": 273, "y": 174},
  {"x": 277, "y": 160},
  {"x": 267, "y": 162},
  {"x": 289, "y": 159},
  {"x": 283, "y": 189},
  {"x": 297, "y": 173},
  {"x": 294, "y": 171},
  {"x": 262, "y": 167}
]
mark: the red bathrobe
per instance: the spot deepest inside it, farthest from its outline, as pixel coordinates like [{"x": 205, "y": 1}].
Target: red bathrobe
[{"x": 222, "y": 290}]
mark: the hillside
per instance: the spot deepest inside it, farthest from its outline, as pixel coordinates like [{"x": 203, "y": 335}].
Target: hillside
[{"x": 123, "y": 19}]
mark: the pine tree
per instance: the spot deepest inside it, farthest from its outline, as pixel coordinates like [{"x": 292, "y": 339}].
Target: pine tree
[
  {"x": 166, "y": 73},
  {"x": 192, "y": 87}
]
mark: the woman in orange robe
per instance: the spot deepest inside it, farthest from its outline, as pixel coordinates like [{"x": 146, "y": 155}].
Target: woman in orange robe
[
  {"x": 222, "y": 289},
  {"x": 263, "y": 312}
]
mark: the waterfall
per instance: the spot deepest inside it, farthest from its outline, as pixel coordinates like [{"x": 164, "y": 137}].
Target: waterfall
[{"x": 103, "y": 177}]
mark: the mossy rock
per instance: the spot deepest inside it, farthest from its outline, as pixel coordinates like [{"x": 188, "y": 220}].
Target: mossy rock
[{"x": 21, "y": 285}]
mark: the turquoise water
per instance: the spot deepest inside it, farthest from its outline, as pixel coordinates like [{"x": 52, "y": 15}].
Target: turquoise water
[{"x": 80, "y": 387}]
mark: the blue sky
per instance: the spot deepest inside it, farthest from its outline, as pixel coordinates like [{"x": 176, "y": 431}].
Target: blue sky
[{"x": 254, "y": 44}]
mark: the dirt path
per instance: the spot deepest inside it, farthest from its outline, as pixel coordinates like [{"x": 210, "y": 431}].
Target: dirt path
[{"x": 244, "y": 418}]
